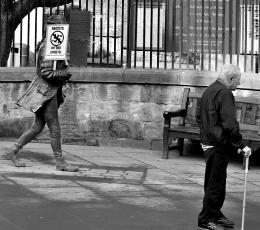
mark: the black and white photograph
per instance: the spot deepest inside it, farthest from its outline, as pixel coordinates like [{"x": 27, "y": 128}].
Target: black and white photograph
[{"x": 129, "y": 114}]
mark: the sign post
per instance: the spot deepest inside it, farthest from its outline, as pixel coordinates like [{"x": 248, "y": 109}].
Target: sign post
[{"x": 56, "y": 42}]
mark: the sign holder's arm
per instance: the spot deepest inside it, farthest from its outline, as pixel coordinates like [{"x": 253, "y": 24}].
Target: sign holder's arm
[{"x": 54, "y": 65}]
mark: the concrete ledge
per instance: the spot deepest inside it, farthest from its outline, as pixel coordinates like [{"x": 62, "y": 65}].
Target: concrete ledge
[{"x": 133, "y": 76}]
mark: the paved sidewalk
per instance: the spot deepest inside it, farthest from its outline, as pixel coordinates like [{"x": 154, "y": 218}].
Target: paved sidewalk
[{"x": 115, "y": 189}]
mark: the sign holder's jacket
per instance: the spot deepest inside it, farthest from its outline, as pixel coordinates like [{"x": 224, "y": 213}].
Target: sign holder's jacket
[{"x": 46, "y": 84}]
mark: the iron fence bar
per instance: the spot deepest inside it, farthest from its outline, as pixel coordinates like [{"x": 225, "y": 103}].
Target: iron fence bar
[
  {"x": 1, "y": 18},
  {"x": 195, "y": 30},
  {"x": 122, "y": 32},
  {"x": 223, "y": 31},
  {"x": 242, "y": 29},
  {"x": 115, "y": 36},
  {"x": 35, "y": 32},
  {"x": 181, "y": 34},
  {"x": 230, "y": 30},
  {"x": 65, "y": 8},
  {"x": 144, "y": 25},
  {"x": 188, "y": 35},
  {"x": 202, "y": 35},
  {"x": 238, "y": 30},
  {"x": 151, "y": 36},
  {"x": 101, "y": 32},
  {"x": 166, "y": 32},
  {"x": 94, "y": 31},
  {"x": 129, "y": 23},
  {"x": 135, "y": 33},
  {"x": 13, "y": 43},
  {"x": 209, "y": 37},
  {"x": 108, "y": 22},
  {"x": 81, "y": 4},
  {"x": 7, "y": 18},
  {"x": 51, "y": 9},
  {"x": 252, "y": 34},
  {"x": 245, "y": 40},
  {"x": 21, "y": 32},
  {"x": 86, "y": 5},
  {"x": 216, "y": 38},
  {"x": 28, "y": 33},
  {"x": 258, "y": 69},
  {"x": 173, "y": 31},
  {"x": 158, "y": 34},
  {"x": 43, "y": 21}
]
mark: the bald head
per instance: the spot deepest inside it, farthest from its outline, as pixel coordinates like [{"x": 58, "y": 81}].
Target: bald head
[{"x": 231, "y": 75}]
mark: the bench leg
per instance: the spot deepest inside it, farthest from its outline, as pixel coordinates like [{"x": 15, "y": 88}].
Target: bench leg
[
  {"x": 165, "y": 147},
  {"x": 181, "y": 145},
  {"x": 165, "y": 154},
  {"x": 177, "y": 146}
]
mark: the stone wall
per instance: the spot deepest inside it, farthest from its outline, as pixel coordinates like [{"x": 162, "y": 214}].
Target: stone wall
[{"x": 107, "y": 106}]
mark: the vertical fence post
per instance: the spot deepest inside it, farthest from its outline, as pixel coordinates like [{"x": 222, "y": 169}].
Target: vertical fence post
[
  {"x": 21, "y": 37},
  {"x": 115, "y": 34},
  {"x": 238, "y": 30},
  {"x": 252, "y": 34},
  {"x": 135, "y": 31},
  {"x": 258, "y": 60},
  {"x": 101, "y": 33},
  {"x": 122, "y": 33},
  {"x": 129, "y": 42},
  {"x": 151, "y": 36},
  {"x": 158, "y": 33}
]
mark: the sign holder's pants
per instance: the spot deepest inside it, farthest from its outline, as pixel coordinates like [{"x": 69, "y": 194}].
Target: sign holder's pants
[{"x": 47, "y": 114}]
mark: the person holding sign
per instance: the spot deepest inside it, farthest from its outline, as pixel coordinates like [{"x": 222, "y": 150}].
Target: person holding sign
[{"x": 43, "y": 98}]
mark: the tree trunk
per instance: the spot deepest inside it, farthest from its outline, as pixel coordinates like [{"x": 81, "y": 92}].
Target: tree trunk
[
  {"x": 11, "y": 15},
  {"x": 5, "y": 31}
]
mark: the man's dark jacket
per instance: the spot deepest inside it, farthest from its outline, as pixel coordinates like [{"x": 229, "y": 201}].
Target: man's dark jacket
[{"x": 217, "y": 117}]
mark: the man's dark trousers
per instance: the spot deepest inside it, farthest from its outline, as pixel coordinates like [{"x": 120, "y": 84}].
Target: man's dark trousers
[{"x": 215, "y": 183}]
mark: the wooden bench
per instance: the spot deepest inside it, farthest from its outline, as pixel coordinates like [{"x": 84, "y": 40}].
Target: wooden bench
[{"x": 248, "y": 116}]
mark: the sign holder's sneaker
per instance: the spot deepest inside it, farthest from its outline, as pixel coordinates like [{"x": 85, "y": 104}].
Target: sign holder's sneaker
[{"x": 62, "y": 165}]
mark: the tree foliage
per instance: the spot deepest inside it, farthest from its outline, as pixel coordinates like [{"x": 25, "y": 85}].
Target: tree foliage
[{"x": 11, "y": 14}]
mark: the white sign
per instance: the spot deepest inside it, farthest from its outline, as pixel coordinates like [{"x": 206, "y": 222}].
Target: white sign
[{"x": 57, "y": 41}]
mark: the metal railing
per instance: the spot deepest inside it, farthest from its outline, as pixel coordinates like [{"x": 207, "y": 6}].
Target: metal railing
[{"x": 161, "y": 34}]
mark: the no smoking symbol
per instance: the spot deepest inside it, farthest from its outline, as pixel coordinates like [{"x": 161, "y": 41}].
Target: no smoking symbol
[{"x": 57, "y": 38}]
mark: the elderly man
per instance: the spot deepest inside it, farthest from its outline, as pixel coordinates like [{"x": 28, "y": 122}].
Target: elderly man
[
  {"x": 219, "y": 132},
  {"x": 43, "y": 98}
]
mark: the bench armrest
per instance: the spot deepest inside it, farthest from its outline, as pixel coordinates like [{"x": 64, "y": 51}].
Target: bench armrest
[{"x": 177, "y": 113}]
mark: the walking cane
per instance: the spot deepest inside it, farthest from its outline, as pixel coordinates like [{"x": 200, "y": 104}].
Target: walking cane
[{"x": 244, "y": 198}]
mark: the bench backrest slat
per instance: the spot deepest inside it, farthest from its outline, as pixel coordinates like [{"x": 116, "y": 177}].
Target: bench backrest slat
[
  {"x": 246, "y": 127},
  {"x": 243, "y": 114},
  {"x": 249, "y": 100},
  {"x": 253, "y": 114}
]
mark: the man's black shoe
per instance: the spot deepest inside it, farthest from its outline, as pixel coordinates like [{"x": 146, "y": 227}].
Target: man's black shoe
[
  {"x": 210, "y": 226},
  {"x": 225, "y": 222}
]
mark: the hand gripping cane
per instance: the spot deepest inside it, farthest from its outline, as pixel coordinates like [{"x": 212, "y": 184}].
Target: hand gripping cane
[{"x": 244, "y": 198}]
